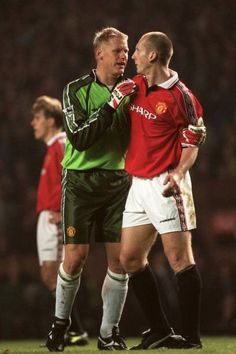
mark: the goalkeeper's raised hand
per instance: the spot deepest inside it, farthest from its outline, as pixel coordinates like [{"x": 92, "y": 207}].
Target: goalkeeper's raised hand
[{"x": 124, "y": 88}]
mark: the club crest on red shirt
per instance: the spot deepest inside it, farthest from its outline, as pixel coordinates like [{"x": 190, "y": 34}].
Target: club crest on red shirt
[{"x": 161, "y": 107}]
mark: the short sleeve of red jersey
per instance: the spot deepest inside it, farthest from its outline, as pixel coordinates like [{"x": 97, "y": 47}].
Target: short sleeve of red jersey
[
  {"x": 194, "y": 133},
  {"x": 189, "y": 104},
  {"x": 198, "y": 107}
]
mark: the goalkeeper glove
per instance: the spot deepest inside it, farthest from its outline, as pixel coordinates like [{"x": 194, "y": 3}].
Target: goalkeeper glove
[
  {"x": 194, "y": 135},
  {"x": 124, "y": 88}
]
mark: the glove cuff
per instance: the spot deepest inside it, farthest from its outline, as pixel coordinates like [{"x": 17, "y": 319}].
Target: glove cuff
[{"x": 109, "y": 109}]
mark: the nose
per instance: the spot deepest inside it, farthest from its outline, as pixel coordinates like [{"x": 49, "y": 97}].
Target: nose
[
  {"x": 124, "y": 55},
  {"x": 133, "y": 56}
]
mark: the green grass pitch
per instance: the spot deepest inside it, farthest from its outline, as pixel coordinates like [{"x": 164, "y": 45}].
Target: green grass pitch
[{"x": 211, "y": 345}]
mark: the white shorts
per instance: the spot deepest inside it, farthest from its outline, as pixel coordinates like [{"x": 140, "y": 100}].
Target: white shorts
[
  {"x": 49, "y": 239},
  {"x": 146, "y": 205}
]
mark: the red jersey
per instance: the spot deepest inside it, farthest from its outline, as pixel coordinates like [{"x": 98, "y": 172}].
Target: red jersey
[
  {"x": 158, "y": 115},
  {"x": 49, "y": 188}
]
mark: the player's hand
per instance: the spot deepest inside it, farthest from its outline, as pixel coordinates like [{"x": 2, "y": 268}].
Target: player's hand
[
  {"x": 123, "y": 89},
  {"x": 172, "y": 184},
  {"x": 55, "y": 217},
  {"x": 194, "y": 134}
]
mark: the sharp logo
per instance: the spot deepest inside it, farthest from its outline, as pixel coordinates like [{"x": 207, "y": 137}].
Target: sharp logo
[{"x": 143, "y": 112}]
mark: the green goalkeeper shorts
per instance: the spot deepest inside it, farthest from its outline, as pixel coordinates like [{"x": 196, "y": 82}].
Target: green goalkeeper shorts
[{"x": 93, "y": 200}]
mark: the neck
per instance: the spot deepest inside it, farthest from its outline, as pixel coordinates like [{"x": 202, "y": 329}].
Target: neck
[
  {"x": 53, "y": 132},
  {"x": 157, "y": 75},
  {"x": 105, "y": 78}
]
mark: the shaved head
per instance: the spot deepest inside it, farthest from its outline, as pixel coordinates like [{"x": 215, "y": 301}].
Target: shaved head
[{"x": 159, "y": 42}]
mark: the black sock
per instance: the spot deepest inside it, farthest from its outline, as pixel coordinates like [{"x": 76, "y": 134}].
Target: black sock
[
  {"x": 145, "y": 287},
  {"x": 190, "y": 285},
  {"x": 76, "y": 325}
]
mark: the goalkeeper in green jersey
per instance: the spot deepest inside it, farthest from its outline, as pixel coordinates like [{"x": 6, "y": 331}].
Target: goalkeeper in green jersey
[{"x": 95, "y": 185}]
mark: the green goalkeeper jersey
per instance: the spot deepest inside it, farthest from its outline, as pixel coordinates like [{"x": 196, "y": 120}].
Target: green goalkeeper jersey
[{"x": 97, "y": 135}]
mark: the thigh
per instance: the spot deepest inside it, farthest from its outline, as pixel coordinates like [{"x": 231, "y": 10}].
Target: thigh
[
  {"x": 178, "y": 249},
  {"x": 93, "y": 198},
  {"x": 49, "y": 239},
  {"x": 137, "y": 241},
  {"x": 134, "y": 213},
  {"x": 175, "y": 213},
  {"x": 77, "y": 208},
  {"x": 109, "y": 214}
]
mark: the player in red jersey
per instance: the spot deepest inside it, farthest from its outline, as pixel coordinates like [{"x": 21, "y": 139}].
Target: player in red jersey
[
  {"x": 166, "y": 132},
  {"x": 47, "y": 125}
]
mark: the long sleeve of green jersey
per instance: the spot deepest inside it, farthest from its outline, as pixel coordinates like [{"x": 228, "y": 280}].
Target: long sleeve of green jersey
[{"x": 85, "y": 119}]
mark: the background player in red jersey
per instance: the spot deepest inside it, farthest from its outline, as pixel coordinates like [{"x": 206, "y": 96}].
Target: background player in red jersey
[
  {"x": 166, "y": 130},
  {"x": 47, "y": 125}
]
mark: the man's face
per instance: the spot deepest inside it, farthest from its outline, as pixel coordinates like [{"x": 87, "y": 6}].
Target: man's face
[
  {"x": 141, "y": 57},
  {"x": 40, "y": 125},
  {"x": 113, "y": 56}
]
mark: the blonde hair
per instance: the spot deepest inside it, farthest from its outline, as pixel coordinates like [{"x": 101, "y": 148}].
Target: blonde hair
[
  {"x": 51, "y": 107},
  {"x": 106, "y": 34}
]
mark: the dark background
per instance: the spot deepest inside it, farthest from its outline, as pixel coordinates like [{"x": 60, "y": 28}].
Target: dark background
[{"x": 44, "y": 45}]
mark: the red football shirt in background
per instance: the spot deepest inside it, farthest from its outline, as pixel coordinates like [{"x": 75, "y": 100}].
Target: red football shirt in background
[
  {"x": 49, "y": 188},
  {"x": 158, "y": 115}
]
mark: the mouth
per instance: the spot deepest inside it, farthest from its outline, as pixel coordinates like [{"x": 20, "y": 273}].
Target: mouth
[{"x": 121, "y": 65}]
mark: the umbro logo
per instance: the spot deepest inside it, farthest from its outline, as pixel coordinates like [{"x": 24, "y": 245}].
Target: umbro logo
[{"x": 166, "y": 220}]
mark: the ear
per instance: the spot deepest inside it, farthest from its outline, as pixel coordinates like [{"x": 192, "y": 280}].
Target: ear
[
  {"x": 99, "y": 53},
  {"x": 153, "y": 56},
  {"x": 51, "y": 121}
]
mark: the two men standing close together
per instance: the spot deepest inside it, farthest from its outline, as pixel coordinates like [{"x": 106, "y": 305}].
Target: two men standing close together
[{"x": 151, "y": 125}]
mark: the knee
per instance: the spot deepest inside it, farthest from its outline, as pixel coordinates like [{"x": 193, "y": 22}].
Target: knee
[
  {"x": 73, "y": 263},
  {"x": 49, "y": 278},
  {"x": 178, "y": 250},
  {"x": 179, "y": 261},
  {"x": 131, "y": 264},
  {"x": 115, "y": 266}
]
